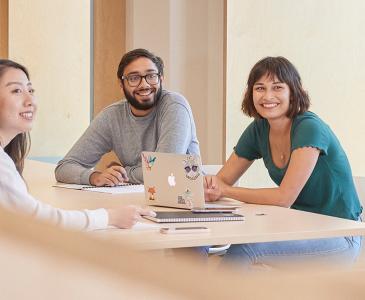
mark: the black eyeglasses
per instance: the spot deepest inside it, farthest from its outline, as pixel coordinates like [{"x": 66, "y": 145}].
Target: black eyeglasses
[{"x": 135, "y": 79}]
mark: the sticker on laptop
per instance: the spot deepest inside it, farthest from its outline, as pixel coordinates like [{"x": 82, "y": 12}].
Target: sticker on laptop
[
  {"x": 149, "y": 160},
  {"x": 186, "y": 199},
  {"x": 191, "y": 167},
  {"x": 151, "y": 193}
]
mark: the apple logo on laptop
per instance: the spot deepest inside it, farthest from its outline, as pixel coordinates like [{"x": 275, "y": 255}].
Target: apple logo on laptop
[{"x": 171, "y": 180}]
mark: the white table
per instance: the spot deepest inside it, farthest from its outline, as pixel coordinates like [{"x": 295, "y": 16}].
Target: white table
[{"x": 262, "y": 223}]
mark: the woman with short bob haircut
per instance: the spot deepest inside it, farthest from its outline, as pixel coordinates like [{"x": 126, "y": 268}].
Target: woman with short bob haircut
[
  {"x": 303, "y": 157},
  {"x": 17, "y": 111},
  {"x": 285, "y": 72}
]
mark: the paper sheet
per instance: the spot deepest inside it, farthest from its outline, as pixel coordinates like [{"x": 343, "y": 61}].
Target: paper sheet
[
  {"x": 140, "y": 226},
  {"x": 121, "y": 189},
  {"x": 224, "y": 203}
]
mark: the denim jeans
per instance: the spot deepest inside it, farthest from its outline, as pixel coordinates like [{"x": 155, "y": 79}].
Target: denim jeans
[{"x": 342, "y": 250}]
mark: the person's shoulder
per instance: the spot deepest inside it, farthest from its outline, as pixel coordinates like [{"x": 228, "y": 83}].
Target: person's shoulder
[
  {"x": 256, "y": 128},
  {"x": 309, "y": 122},
  {"x": 113, "y": 108},
  {"x": 173, "y": 101},
  {"x": 259, "y": 124},
  {"x": 3, "y": 154},
  {"x": 170, "y": 97},
  {"x": 5, "y": 161},
  {"x": 308, "y": 117},
  {"x": 116, "y": 106}
]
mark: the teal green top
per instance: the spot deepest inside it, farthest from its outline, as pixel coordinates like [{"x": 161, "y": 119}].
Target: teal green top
[{"x": 330, "y": 189}]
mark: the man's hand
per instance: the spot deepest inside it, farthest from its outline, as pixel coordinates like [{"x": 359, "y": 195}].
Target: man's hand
[
  {"x": 127, "y": 216},
  {"x": 113, "y": 163},
  {"x": 111, "y": 176}
]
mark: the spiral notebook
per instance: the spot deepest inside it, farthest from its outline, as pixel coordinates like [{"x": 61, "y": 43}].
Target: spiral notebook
[
  {"x": 188, "y": 216},
  {"x": 123, "y": 188}
]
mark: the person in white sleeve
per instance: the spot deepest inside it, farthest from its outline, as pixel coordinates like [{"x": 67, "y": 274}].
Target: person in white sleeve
[{"x": 17, "y": 111}]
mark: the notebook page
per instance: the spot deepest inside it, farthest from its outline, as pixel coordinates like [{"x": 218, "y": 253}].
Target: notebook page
[{"x": 122, "y": 189}]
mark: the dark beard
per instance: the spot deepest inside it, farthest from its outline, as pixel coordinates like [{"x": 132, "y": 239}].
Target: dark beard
[{"x": 142, "y": 106}]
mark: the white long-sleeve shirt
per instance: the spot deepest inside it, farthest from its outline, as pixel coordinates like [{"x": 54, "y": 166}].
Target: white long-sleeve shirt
[{"x": 15, "y": 197}]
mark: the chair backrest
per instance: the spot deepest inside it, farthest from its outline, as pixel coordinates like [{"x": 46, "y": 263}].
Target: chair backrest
[
  {"x": 360, "y": 188},
  {"x": 211, "y": 169},
  {"x": 214, "y": 169}
]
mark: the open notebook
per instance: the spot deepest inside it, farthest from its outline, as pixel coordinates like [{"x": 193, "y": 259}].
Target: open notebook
[{"x": 124, "y": 188}]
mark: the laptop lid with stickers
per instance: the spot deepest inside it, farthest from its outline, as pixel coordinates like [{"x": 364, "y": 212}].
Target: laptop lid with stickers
[{"x": 173, "y": 180}]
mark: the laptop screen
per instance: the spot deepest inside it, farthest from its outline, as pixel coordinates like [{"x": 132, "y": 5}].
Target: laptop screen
[{"x": 173, "y": 180}]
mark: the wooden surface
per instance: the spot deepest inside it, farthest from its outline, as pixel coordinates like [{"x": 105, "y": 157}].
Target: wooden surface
[
  {"x": 262, "y": 223},
  {"x": 45, "y": 262},
  {"x": 4, "y": 27},
  {"x": 109, "y": 47}
]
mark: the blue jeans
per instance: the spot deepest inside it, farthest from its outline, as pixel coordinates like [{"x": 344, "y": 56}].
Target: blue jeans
[{"x": 342, "y": 250}]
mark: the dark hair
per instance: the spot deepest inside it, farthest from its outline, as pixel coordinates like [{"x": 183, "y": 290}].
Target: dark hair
[
  {"x": 135, "y": 54},
  {"x": 19, "y": 146},
  {"x": 285, "y": 71}
]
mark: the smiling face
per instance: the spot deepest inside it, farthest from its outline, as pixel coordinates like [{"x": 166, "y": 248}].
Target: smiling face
[
  {"x": 143, "y": 97},
  {"x": 271, "y": 97},
  {"x": 17, "y": 104},
  {"x": 283, "y": 83}
]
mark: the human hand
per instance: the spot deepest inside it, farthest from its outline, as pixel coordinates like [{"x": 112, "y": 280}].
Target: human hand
[
  {"x": 127, "y": 216},
  {"x": 213, "y": 188},
  {"x": 111, "y": 176},
  {"x": 113, "y": 163}
]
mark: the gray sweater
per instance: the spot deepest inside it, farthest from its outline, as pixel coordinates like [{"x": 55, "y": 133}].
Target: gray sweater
[{"x": 169, "y": 127}]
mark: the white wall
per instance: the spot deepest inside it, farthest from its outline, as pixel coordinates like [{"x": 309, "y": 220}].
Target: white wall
[
  {"x": 52, "y": 39},
  {"x": 188, "y": 35},
  {"x": 324, "y": 40}
]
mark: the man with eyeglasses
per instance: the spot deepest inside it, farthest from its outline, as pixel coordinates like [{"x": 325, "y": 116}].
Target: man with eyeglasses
[{"x": 152, "y": 119}]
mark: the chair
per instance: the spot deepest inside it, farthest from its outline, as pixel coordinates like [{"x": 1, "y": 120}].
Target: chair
[
  {"x": 360, "y": 188},
  {"x": 211, "y": 169}
]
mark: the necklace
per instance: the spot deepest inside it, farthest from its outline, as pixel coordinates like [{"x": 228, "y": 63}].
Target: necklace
[
  {"x": 281, "y": 154},
  {"x": 280, "y": 150},
  {"x": 280, "y": 145}
]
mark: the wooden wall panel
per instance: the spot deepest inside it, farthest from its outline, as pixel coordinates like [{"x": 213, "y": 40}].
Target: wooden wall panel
[
  {"x": 224, "y": 142},
  {"x": 4, "y": 18},
  {"x": 189, "y": 39},
  {"x": 109, "y": 47}
]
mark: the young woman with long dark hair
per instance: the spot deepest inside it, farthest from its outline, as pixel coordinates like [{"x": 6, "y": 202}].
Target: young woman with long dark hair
[{"x": 17, "y": 111}]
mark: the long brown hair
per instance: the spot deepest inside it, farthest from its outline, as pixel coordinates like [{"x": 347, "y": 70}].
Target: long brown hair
[{"x": 19, "y": 146}]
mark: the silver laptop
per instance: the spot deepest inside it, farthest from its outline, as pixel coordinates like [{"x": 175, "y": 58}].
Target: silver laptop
[{"x": 174, "y": 180}]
